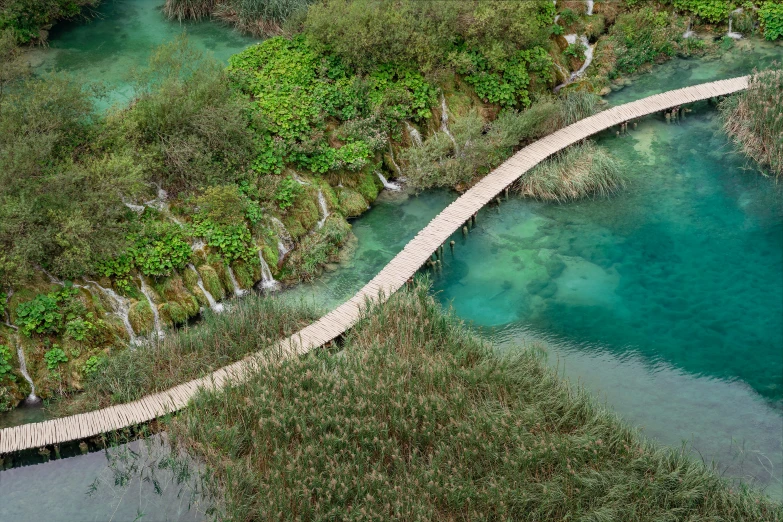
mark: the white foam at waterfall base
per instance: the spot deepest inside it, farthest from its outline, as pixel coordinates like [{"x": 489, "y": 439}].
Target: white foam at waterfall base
[
  {"x": 444, "y": 121},
  {"x": 121, "y": 309},
  {"x": 388, "y": 185},
  {"x": 238, "y": 291},
  {"x": 155, "y": 315},
  {"x": 268, "y": 282},
  {"x": 214, "y": 305},
  {"x": 589, "y": 11},
  {"x": 324, "y": 208}
]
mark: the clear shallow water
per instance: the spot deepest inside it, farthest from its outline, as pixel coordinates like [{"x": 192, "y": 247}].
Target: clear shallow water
[
  {"x": 667, "y": 298},
  {"x": 120, "y": 38},
  {"x": 60, "y": 490},
  {"x": 740, "y": 60}
]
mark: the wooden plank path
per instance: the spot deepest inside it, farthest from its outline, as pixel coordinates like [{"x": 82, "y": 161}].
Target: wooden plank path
[{"x": 389, "y": 279}]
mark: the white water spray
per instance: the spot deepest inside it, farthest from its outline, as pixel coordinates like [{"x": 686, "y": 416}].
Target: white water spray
[
  {"x": 589, "y": 3},
  {"x": 121, "y": 307},
  {"x": 324, "y": 208},
  {"x": 238, "y": 291},
  {"x": 285, "y": 242},
  {"x": 214, "y": 305},
  {"x": 198, "y": 245},
  {"x": 689, "y": 33},
  {"x": 444, "y": 122},
  {"x": 32, "y": 398},
  {"x": 732, "y": 34},
  {"x": 414, "y": 134},
  {"x": 267, "y": 281},
  {"x": 589, "y": 49},
  {"x": 155, "y": 315},
  {"x": 394, "y": 162},
  {"x": 388, "y": 185}
]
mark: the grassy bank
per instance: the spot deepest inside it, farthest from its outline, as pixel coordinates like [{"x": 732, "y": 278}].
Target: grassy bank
[
  {"x": 754, "y": 120},
  {"x": 253, "y": 324},
  {"x": 417, "y": 419},
  {"x": 580, "y": 171}
]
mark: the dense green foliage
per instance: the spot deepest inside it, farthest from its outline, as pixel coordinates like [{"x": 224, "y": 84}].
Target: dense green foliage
[
  {"x": 753, "y": 119},
  {"x": 417, "y": 419},
  {"x": 5, "y": 362},
  {"x": 771, "y": 17},
  {"x": 27, "y": 18}
]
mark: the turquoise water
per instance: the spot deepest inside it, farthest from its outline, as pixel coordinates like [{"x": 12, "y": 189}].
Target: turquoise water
[
  {"x": 666, "y": 298},
  {"x": 120, "y": 38}
]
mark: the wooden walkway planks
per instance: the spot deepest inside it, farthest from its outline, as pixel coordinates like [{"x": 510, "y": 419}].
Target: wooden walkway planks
[{"x": 393, "y": 276}]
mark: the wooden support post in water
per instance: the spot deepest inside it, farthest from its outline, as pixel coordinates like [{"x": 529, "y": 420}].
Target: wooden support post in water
[
  {"x": 465, "y": 230},
  {"x": 451, "y": 244}
]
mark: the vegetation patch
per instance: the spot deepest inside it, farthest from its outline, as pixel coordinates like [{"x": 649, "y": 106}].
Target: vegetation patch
[
  {"x": 577, "y": 172},
  {"x": 754, "y": 120},
  {"x": 416, "y": 419}
]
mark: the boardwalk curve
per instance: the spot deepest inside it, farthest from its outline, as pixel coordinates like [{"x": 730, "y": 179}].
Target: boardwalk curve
[{"x": 393, "y": 276}]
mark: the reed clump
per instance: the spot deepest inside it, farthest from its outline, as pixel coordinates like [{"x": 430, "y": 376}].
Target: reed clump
[
  {"x": 579, "y": 171},
  {"x": 256, "y": 17},
  {"x": 254, "y": 324},
  {"x": 418, "y": 419},
  {"x": 754, "y": 119}
]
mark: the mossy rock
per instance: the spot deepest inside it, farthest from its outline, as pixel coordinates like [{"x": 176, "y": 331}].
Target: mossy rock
[
  {"x": 247, "y": 273},
  {"x": 212, "y": 282},
  {"x": 173, "y": 313},
  {"x": 175, "y": 291},
  {"x": 271, "y": 256},
  {"x": 351, "y": 202},
  {"x": 369, "y": 186},
  {"x": 141, "y": 319},
  {"x": 223, "y": 277},
  {"x": 305, "y": 213},
  {"x": 190, "y": 278}
]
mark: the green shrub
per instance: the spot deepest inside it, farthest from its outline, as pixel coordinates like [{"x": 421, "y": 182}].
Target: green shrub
[
  {"x": 159, "y": 249},
  {"x": 710, "y": 10},
  {"x": 645, "y": 36},
  {"x": 5, "y": 361},
  {"x": 287, "y": 191},
  {"x": 55, "y": 357},
  {"x": 92, "y": 365},
  {"x": 79, "y": 328},
  {"x": 42, "y": 315},
  {"x": 28, "y": 18},
  {"x": 771, "y": 17}
]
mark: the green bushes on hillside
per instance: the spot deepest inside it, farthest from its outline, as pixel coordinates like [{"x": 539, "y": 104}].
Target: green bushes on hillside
[{"x": 29, "y": 19}]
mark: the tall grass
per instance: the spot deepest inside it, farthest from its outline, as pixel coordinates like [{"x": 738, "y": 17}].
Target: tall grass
[
  {"x": 257, "y": 17},
  {"x": 188, "y": 9},
  {"x": 577, "y": 172},
  {"x": 483, "y": 146},
  {"x": 417, "y": 419},
  {"x": 253, "y": 324},
  {"x": 754, "y": 119}
]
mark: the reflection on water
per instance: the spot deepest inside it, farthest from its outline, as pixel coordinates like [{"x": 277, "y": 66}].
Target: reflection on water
[
  {"x": 675, "y": 284},
  {"x": 128, "y": 483}
]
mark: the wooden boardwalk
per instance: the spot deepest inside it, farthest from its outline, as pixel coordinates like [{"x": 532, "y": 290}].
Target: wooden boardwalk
[{"x": 390, "y": 279}]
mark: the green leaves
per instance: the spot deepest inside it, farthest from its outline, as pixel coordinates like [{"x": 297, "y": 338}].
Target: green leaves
[
  {"x": 287, "y": 191},
  {"x": 54, "y": 357},
  {"x": 771, "y": 17},
  {"x": 42, "y": 315},
  {"x": 5, "y": 361}
]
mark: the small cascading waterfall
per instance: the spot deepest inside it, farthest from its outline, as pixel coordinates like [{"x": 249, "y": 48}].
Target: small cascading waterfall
[
  {"x": 299, "y": 180},
  {"x": 589, "y": 49},
  {"x": 414, "y": 134},
  {"x": 732, "y": 34},
  {"x": 32, "y": 398},
  {"x": 285, "y": 242},
  {"x": 155, "y": 315},
  {"x": 198, "y": 245},
  {"x": 689, "y": 33},
  {"x": 324, "y": 208},
  {"x": 444, "y": 122},
  {"x": 589, "y": 10},
  {"x": 238, "y": 291},
  {"x": 267, "y": 281},
  {"x": 214, "y": 305},
  {"x": 121, "y": 307},
  {"x": 52, "y": 279},
  {"x": 394, "y": 162},
  {"x": 388, "y": 185}
]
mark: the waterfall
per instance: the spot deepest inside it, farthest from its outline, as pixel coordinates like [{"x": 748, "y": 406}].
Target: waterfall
[
  {"x": 32, "y": 398},
  {"x": 299, "y": 180},
  {"x": 394, "y": 163},
  {"x": 565, "y": 72},
  {"x": 732, "y": 34},
  {"x": 388, "y": 185},
  {"x": 198, "y": 245},
  {"x": 444, "y": 122},
  {"x": 121, "y": 308},
  {"x": 238, "y": 292},
  {"x": 589, "y": 11},
  {"x": 284, "y": 242},
  {"x": 267, "y": 281},
  {"x": 155, "y": 315},
  {"x": 557, "y": 17},
  {"x": 688, "y": 31},
  {"x": 136, "y": 208},
  {"x": 589, "y": 49},
  {"x": 324, "y": 208},
  {"x": 160, "y": 200},
  {"x": 52, "y": 279},
  {"x": 415, "y": 135},
  {"x": 214, "y": 305}
]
